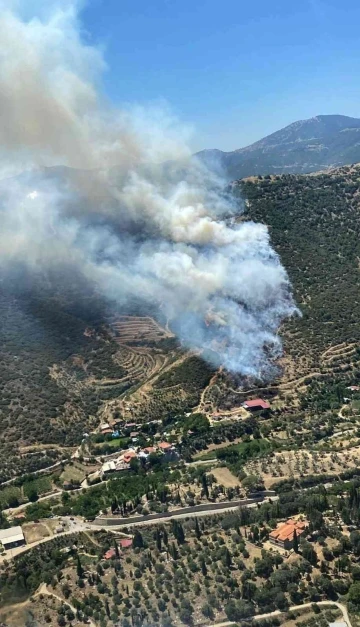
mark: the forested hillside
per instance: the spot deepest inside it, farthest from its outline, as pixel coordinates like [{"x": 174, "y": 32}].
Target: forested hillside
[
  {"x": 63, "y": 362},
  {"x": 314, "y": 224}
]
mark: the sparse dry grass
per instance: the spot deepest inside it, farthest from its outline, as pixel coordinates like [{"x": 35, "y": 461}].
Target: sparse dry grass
[{"x": 34, "y": 532}]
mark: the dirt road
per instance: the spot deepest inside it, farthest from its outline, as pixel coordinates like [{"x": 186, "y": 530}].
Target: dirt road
[
  {"x": 294, "y": 608},
  {"x": 44, "y": 590}
]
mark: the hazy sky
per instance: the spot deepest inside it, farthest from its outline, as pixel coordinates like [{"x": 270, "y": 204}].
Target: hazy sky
[{"x": 235, "y": 70}]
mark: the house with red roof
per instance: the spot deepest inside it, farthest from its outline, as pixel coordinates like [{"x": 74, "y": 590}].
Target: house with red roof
[
  {"x": 257, "y": 404},
  {"x": 165, "y": 446},
  {"x": 110, "y": 554},
  {"x": 128, "y": 456},
  {"x": 283, "y": 535},
  {"x": 125, "y": 543},
  {"x": 106, "y": 431},
  {"x": 149, "y": 449}
]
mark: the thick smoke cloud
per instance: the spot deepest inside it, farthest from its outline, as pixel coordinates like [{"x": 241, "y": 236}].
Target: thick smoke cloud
[{"x": 137, "y": 215}]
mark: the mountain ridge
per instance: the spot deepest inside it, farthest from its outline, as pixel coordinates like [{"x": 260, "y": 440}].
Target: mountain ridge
[{"x": 303, "y": 146}]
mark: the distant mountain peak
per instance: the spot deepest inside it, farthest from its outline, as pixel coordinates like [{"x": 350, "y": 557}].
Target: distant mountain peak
[{"x": 307, "y": 145}]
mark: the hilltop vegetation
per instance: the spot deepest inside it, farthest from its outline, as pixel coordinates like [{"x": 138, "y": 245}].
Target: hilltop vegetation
[
  {"x": 314, "y": 226},
  {"x": 62, "y": 361}
]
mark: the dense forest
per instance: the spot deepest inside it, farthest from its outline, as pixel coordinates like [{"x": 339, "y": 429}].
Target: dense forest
[{"x": 314, "y": 226}]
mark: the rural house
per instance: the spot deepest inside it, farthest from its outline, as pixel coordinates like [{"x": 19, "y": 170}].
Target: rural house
[
  {"x": 258, "y": 404},
  {"x": 283, "y": 535}
]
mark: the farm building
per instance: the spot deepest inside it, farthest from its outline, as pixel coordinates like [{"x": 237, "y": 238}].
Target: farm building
[
  {"x": 258, "y": 404},
  {"x": 283, "y": 535},
  {"x": 12, "y": 537}
]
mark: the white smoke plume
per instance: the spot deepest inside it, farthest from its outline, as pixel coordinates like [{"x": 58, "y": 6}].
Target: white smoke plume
[{"x": 129, "y": 207}]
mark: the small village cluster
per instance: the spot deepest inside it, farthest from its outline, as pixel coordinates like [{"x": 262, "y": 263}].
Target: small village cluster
[{"x": 123, "y": 461}]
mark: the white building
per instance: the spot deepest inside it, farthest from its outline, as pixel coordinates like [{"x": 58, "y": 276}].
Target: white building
[
  {"x": 12, "y": 537},
  {"x": 108, "y": 467}
]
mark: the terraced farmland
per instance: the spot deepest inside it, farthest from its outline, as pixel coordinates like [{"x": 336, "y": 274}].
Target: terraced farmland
[{"x": 134, "y": 330}]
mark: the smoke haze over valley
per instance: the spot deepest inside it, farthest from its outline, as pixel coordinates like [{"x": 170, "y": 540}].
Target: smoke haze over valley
[{"x": 163, "y": 234}]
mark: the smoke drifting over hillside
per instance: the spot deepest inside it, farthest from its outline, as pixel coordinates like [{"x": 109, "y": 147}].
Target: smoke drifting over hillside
[{"x": 135, "y": 228}]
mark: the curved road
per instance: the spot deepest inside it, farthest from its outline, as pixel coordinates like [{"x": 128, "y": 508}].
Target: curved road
[
  {"x": 76, "y": 525},
  {"x": 193, "y": 510},
  {"x": 294, "y": 608}
]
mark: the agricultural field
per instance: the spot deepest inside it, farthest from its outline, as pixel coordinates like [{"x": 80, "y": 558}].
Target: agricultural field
[
  {"x": 301, "y": 463},
  {"x": 131, "y": 330},
  {"x": 75, "y": 472},
  {"x": 14, "y": 495}
]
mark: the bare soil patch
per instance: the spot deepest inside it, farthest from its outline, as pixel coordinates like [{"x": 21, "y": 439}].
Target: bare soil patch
[
  {"x": 225, "y": 477},
  {"x": 34, "y": 532}
]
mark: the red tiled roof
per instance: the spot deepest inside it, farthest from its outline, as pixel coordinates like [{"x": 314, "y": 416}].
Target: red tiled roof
[
  {"x": 128, "y": 456},
  {"x": 149, "y": 449},
  {"x": 286, "y": 530},
  {"x": 109, "y": 554},
  {"x": 105, "y": 431},
  {"x": 125, "y": 543},
  {"x": 164, "y": 445},
  {"x": 258, "y": 402}
]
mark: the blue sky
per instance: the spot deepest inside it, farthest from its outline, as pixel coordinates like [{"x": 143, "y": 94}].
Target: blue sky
[{"x": 235, "y": 70}]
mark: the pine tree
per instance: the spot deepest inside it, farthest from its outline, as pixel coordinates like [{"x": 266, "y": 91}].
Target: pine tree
[
  {"x": 117, "y": 552},
  {"x": 205, "y": 486},
  {"x": 79, "y": 568},
  {"x": 174, "y": 552},
  {"x": 138, "y": 541},
  {"x": 180, "y": 534},
  {"x": 107, "y": 608},
  {"x": 295, "y": 542},
  {"x": 197, "y": 529},
  {"x": 228, "y": 561},
  {"x": 203, "y": 567},
  {"x": 158, "y": 539},
  {"x": 165, "y": 537}
]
